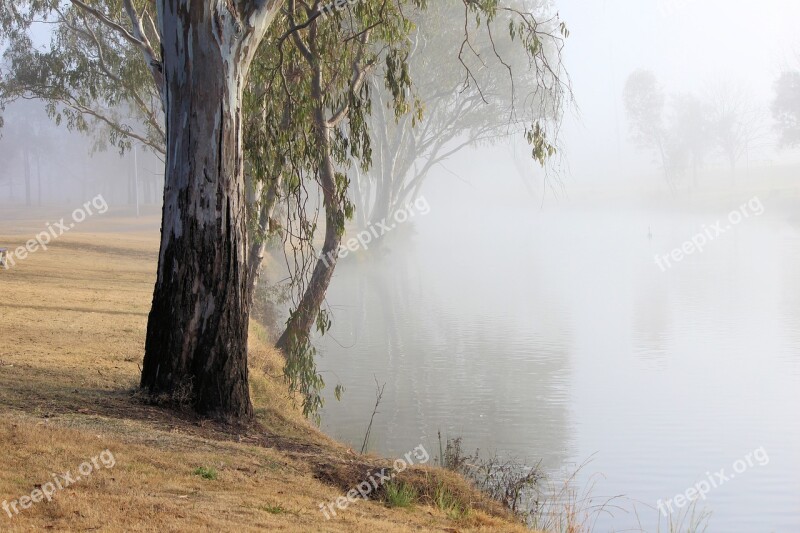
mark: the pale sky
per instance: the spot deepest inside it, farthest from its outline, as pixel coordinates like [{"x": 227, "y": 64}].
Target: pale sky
[{"x": 686, "y": 43}]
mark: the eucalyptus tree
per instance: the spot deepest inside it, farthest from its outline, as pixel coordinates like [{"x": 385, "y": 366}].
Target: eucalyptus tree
[
  {"x": 20, "y": 145},
  {"x": 197, "y": 328},
  {"x": 471, "y": 82},
  {"x": 196, "y": 57},
  {"x": 311, "y": 92},
  {"x": 335, "y": 107},
  {"x": 341, "y": 109}
]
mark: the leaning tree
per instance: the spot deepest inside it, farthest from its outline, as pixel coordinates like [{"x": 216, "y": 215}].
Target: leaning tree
[
  {"x": 311, "y": 93},
  {"x": 478, "y": 76}
]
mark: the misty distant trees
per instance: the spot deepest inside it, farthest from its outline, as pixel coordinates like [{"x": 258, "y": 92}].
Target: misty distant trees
[
  {"x": 683, "y": 130},
  {"x": 692, "y": 119},
  {"x": 508, "y": 90},
  {"x": 786, "y": 107},
  {"x": 57, "y": 171},
  {"x": 27, "y": 141},
  {"x": 738, "y": 122},
  {"x": 644, "y": 106}
]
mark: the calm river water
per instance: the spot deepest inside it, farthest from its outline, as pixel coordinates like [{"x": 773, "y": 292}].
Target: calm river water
[{"x": 552, "y": 335}]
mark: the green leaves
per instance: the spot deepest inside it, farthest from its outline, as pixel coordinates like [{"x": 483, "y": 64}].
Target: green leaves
[
  {"x": 541, "y": 148},
  {"x": 301, "y": 374}
]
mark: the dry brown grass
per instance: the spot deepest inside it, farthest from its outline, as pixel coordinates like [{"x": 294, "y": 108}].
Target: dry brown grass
[{"x": 72, "y": 326}]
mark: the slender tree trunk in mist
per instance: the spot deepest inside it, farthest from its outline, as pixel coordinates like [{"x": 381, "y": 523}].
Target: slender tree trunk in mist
[
  {"x": 196, "y": 346},
  {"x": 265, "y": 203},
  {"x": 258, "y": 247},
  {"x": 299, "y": 326},
  {"x": 130, "y": 185},
  {"x": 383, "y": 195},
  {"x": 38, "y": 179},
  {"x": 27, "y": 164}
]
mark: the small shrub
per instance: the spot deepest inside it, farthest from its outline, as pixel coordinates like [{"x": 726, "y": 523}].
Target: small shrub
[
  {"x": 509, "y": 482},
  {"x": 206, "y": 473},
  {"x": 273, "y": 509}
]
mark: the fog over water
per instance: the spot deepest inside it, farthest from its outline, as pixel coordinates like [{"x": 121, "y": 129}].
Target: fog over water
[{"x": 583, "y": 348}]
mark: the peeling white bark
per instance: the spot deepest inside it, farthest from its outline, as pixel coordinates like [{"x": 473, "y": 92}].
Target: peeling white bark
[{"x": 197, "y": 331}]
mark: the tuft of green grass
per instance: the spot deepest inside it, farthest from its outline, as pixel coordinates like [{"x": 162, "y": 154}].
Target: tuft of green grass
[
  {"x": 206, "y": 473},
  {"x": 399, "y": 494},
  {"x": 447, "y": 502},
  {"x": 273, "y": 509}
]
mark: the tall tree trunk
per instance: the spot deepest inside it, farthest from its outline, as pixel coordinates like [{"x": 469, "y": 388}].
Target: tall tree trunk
[
  {"x": 196, "y": 347},
  {"x": 298, "y": 328}
]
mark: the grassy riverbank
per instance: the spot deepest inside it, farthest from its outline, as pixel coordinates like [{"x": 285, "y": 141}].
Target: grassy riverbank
[{"x": 72, "y": 327}]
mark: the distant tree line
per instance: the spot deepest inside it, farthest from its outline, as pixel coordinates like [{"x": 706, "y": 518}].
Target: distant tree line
[{"x": 684, "y": 130}]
